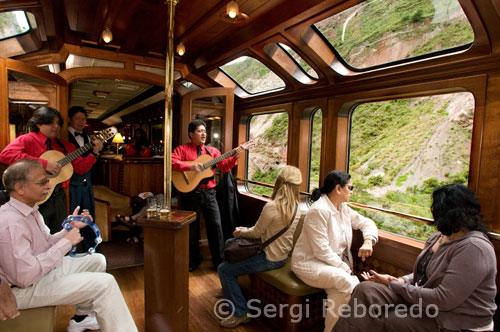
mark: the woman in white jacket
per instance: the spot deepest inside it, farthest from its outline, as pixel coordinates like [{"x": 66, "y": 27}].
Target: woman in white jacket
[{"x": 322, "y": 256}]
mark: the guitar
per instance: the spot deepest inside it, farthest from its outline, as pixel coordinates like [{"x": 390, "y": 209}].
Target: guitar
[
  {"x": 188, "y": 181},
  {"x": 65, "y": 161}
]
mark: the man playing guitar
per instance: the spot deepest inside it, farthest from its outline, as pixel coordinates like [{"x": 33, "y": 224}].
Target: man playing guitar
[
  {"x": 203, "y": 198},
  {"x": 45, "y": 125}
]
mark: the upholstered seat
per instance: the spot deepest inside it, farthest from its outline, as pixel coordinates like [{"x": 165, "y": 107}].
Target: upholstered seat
[
  {"x": 286, "y": 281},
  {"x": 36, "y": 319}
]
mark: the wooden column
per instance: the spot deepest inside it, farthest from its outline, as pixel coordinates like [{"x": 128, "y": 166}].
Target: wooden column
[{"x": 166, "y": 275}]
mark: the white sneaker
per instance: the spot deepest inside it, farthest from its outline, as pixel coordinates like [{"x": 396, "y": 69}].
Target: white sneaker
[{"x": 89, "y": 323}]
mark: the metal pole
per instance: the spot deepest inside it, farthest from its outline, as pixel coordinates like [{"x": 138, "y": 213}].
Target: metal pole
[{"x": 169, "y": 91}]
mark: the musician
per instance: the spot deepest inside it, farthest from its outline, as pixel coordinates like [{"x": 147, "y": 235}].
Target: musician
[
  {"x": 33, "y": 261},
  {"x": 81, "y": 192},
  {"x": 45, "y": 125},
  {"x": 203, "y": 198}
]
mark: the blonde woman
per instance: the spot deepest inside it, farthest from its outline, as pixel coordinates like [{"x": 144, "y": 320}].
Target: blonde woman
[
  {"x": 322, "y": 255},
  {"x": 275, "y": 215}
]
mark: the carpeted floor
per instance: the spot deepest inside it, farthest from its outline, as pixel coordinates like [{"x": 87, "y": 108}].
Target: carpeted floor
[{"x": 119, "y": 253}]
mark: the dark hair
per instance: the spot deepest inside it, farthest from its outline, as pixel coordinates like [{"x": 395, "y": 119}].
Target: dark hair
[
  {"x": 140, "y": 141},
  {"x": 76, "y": 109},
  {"x": 18, "y": 172},
  {"x": 455, "y": 207},
  {"x": 331, "y": 180},
  {"x": 42, "y": 116},
  {"x": 195, "y": 124}
]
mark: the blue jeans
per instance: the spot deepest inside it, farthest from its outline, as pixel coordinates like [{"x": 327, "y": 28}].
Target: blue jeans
[{"x": 228, "y": 275}]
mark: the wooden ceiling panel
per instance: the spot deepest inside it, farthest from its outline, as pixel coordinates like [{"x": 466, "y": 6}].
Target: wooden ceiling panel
[{"x": 81, "y": 15}]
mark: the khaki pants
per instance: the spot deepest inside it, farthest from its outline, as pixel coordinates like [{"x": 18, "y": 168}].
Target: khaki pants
[{"x": 83, "y": 282}]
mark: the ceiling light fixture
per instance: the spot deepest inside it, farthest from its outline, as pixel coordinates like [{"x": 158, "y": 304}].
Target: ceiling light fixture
[
  {"x": 181, "y": 49},
  {"x": 233, "y": 14},
  {"x": 107, "y": 35},
  {"x": 232, "y": 9},
  {"x": 101, "y": 94}
]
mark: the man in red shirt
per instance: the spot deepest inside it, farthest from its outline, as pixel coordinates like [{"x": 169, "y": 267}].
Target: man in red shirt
[
  {"x": 203, "y": 198},
  {"x": 45, "y": 125}
]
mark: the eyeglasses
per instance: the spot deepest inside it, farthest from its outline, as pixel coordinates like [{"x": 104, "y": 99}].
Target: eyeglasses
[
  {"x": 350, "y": 187},
  {"x": 43, "y": 182}
]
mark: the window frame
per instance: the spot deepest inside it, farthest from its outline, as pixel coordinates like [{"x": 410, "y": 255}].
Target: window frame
[{"x": 30, "y": 29}]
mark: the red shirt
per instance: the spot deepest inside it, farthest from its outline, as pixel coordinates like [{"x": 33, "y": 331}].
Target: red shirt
[
  {"x": 32, "y": 145},
  {"x": 189, "y": 152}
]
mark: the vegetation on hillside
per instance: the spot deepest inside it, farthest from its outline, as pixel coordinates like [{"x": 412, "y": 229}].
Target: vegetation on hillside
[
  {"x": 399, "y": 150},
  {"x": 372, "y": 28},
  {"x": 9, "y": 25}
]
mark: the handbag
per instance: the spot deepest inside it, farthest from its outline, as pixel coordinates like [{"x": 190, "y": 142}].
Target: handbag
[{"x": 242, "y": 248}]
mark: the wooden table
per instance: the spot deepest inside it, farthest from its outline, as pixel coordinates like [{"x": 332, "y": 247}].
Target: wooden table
[{"x": 166, "y": 274}]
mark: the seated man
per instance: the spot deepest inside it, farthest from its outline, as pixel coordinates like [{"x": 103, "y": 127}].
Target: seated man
[{"x": 33, "y": 261}]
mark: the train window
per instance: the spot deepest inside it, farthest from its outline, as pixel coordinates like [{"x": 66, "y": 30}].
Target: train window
[
  {"x": 298, "y": 59},
  {"x": 315, "y": 150},
  {"x": 18, "y": 34},
  {"x": 75, "y": 61},
  {"x": 267, "y": 158},
  {"x": 401, "y": 150},
  {"x": 378, "y": 32},
  {"x": 252, "y": 76},
  {"x": 13, "y": 24},
  {"x": 191, "y": 86}
]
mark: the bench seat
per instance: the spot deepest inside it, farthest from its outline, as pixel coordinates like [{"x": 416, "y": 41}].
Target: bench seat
[
  {"x": 35, "y": 319},
  {"x": 286, "y": 281}
]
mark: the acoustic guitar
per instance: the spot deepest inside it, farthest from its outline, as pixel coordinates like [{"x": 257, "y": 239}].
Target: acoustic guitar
[
  {"x": 187, "y": 181},
  {"x": 65, "y": 161}
]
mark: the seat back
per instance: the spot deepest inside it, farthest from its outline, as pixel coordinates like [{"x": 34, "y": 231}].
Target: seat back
[{"x": 119, "y": 204}]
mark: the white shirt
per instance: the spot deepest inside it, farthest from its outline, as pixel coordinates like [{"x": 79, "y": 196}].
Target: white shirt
[
  {"x": 78, "y": 138},
  {"x": 326, "y": 238}
]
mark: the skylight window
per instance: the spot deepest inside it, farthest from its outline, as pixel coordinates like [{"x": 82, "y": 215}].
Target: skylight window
[
  {"x": 252, "y": 76},
  {"x": 378, "y": 32},
  {"x": 302, "y": 64},
  {"x": 13, "y": 23},
  {"x": 191, "y": 86}
]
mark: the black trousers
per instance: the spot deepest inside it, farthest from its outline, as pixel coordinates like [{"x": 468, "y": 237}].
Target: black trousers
[
  {"x": 81, "y": 194},
  {"x": 204, "y": 202},
  {"x": 54, "y": 210}
]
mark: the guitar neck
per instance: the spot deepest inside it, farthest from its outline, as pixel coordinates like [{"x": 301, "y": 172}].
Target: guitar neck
[
  {"x": 214, "y": 161},
  {"x": 75, "y": 154}
]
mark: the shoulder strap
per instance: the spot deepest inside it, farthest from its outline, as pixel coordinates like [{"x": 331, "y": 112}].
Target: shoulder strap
[
  {"x": 61, "y": 145},
  {"x": 208, "y": 151},
  {"x": 277, "y": 235}
]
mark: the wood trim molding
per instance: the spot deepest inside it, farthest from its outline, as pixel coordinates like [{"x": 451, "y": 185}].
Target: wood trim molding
[
  {"x": 187, "y": 113},
  {"x": 71, "y": 75}
]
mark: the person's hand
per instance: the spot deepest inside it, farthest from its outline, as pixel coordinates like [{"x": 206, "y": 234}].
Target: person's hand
[
  {"x": 80, "y": 224},
  {"x": 365, "y": 250},
  {"x": 97, "y": 145},
  {"x": 238, "y": 151},
  {"x": 236, "y": 232},
  {"x": 197, "y": 167},
  {"x": 8, "y": 304},
  {"x": 74, "y": 236},
  {"x": 380, "y": 278},
  {"x": 53, "y": 168}
]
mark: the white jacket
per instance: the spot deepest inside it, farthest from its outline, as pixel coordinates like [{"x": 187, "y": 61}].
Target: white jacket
[{"x": 326, "y": 238}]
